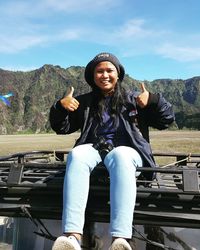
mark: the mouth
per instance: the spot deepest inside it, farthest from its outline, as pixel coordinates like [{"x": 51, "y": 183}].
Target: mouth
[{"x": 105, "y": 81}]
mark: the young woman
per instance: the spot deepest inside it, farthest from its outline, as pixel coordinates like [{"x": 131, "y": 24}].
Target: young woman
[{"x": 107, "y": 117}]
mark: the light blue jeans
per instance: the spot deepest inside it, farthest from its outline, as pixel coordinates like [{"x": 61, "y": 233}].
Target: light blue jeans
[{"x": 121, "y": 164}]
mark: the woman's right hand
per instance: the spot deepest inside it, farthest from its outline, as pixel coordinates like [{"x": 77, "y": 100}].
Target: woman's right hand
[
  {"x": 142, "y": 99},
  {"x": 69, "y": 102}
]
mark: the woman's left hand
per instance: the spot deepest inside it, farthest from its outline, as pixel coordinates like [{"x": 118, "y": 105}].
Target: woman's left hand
[{"x": 142, "y": 99}]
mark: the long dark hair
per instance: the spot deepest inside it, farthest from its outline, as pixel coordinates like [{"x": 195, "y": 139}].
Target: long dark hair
[{"x": 117, "y": 100}]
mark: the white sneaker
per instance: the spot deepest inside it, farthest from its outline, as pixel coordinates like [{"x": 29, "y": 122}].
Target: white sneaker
[
  {"x": 120, "y": 244},
  {"x": 66, "y": 243}
]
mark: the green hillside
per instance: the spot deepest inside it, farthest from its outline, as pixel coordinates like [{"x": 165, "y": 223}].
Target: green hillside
[{"x": 35, "y": 91}]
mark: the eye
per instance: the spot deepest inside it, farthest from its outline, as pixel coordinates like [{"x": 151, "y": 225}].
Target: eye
[
  {"x": 110, "y": 70},
  {"x": 100, "y": 70}
]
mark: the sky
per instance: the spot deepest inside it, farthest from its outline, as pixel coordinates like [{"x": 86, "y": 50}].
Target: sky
[{"x": 153, "y": 39}]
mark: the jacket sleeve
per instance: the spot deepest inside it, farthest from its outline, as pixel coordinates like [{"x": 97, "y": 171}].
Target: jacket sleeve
[
  {"x": 158, "y": 113},
  {"x": 63, "y": 121}
]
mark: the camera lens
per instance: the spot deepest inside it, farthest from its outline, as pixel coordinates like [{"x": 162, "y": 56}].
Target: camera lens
[{"x": 103, "y": 147}]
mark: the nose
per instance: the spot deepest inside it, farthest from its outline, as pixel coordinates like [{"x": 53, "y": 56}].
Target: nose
[{"x": 104, "y": 74}]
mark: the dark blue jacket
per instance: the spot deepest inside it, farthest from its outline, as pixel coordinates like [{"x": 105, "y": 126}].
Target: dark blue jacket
[{"x": 157, "y": 114}]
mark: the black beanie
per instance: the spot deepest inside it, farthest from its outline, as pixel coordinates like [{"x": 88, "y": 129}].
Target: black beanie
[{"x": 89, "y": 70}]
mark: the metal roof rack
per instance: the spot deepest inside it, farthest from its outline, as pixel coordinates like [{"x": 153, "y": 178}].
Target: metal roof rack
[{"x": 30, "y": 180}]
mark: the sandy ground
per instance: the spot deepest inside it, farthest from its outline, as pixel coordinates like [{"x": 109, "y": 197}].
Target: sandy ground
[{"x": 165, "y": 141}]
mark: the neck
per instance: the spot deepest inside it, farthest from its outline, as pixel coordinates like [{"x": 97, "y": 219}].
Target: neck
[{"x": 108, "y": 93}]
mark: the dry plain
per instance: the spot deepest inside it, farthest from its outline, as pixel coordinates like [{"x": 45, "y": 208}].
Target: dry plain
[{"x": 179, "y": 141}]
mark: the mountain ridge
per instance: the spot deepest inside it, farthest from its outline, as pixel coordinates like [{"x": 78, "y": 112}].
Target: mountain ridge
[{"x": 36, "y": 90}]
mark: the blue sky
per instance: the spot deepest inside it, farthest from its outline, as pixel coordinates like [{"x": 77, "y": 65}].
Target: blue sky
[{"x": 152, "y": 38}]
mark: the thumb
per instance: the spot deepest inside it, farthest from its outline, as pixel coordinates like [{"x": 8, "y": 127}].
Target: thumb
[
  {"x": 142, "y": 86},
  {"x": 70, "y": 92}
]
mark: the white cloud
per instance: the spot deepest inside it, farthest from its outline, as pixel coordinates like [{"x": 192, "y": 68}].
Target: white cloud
[
  {"x": 35, "y": 8},
  {"x": 179, "y": 53},
  {"x": 19, "y": 68},
  {"x": 135, "y": 37},
  {"x": 131, "y": 38},
  {"x": 133, "y": 29},
  {"x": 19, "y": 43},
  {"x": 77, "y": 5},
  {"x": 68, "y": 34},
  {"x": 27, "y": 24}
]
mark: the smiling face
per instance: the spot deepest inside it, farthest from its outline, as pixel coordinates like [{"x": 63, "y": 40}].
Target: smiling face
[{"x": 105, "y": 77}]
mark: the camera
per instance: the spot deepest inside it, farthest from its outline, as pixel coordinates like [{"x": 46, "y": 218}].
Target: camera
[{"x": 103, "y": 147}]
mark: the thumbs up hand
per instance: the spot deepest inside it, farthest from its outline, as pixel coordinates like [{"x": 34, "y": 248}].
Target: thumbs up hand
[
  {"x": 142, "y": 99},
  {"x": 69, "y": 102}
]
